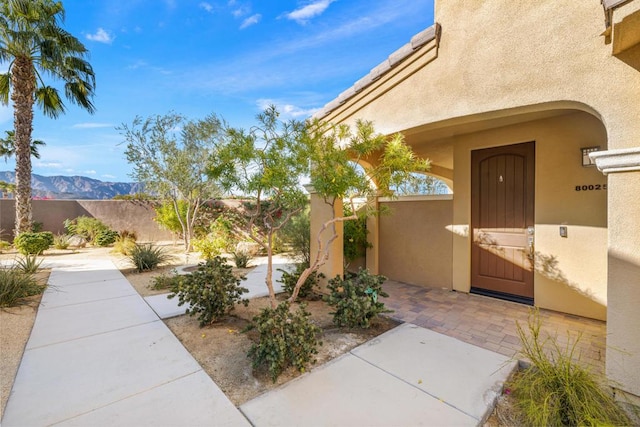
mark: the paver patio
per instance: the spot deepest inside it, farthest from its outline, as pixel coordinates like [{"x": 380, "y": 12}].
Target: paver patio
[{"x": 491, "y": 323}]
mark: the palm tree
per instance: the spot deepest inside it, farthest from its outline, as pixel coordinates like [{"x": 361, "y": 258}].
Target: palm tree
[
  {"x": 8, "y": 147},
  {"x": 33, "y": 43}
]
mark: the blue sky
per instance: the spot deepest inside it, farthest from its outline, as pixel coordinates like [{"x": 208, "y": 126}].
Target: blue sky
[{"x": 229, "y": 57}]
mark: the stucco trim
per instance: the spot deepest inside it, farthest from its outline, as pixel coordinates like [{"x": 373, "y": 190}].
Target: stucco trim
[
  {"x": 610, "y": 4},
  {"x": 417, "y": 41},
  {"x": 416, "y": 198},
  {"x": 614, "y": 161}
]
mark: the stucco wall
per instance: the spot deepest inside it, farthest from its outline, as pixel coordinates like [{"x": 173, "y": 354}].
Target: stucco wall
[
  {"x": 117, "y": 214},
  {"x": 500, "y": 57},
  {"x": 415, "y": 242},
  {"x": 623, "y": 322}
]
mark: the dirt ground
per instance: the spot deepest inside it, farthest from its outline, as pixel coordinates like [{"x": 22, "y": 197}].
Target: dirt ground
[
  {"x": 220, "y": 348},
  {"x": 15, "y": 327}
]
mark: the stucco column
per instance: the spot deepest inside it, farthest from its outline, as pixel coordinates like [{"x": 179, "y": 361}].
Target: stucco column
[
  {"x": 373, "y": 237},
  {"x": 321, "y": 212},
  {"x": 623, "y": 282}
]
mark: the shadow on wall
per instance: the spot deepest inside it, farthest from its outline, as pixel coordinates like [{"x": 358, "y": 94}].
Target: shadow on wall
[
  {"x": 546, "y": 265},
  {"x": 118, "y": 214}
]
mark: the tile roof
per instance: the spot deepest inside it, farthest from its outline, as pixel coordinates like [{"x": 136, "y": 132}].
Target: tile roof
[{"x": 394, "y": 59}]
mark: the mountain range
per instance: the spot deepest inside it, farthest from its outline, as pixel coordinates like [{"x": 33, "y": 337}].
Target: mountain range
[{"x": 74, "y": 187}]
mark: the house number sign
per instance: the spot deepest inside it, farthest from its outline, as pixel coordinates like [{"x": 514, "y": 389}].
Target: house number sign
[{"x": 592, "y": 187}]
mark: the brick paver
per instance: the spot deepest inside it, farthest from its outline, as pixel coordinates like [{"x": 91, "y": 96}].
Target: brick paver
[{"x": 491, "y": 323}]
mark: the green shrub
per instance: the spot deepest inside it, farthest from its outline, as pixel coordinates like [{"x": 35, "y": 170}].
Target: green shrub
[
  {"x": 164, "y": 281},
  {"x": 4, "y": 245},
  {"x": 16, "y": 285},
  {"x": 356, "y": 299},
  {"x": 296, "y": 233},
  {"x": 209, "y": 246},
  {"x": 354, "y": 242},
  {"x": 105, "y": 238},
  {"x": 241, "y": 259},
  {"x": 29, "y": 264},
  {"x": 33, "y": 243},
  {"x": 290, "y": 278},
  {"x": 557, "y": 391},
  {"x": 285, "y": 338},
  {"x": 147, "y": 256},
  {"x": 211, "y": 291},
  {"x": 167, "y": 218},
  {"x": 124, "y": 243},
  {"x": 87, "y": 227},
  {"x": 61, "y": 241}
]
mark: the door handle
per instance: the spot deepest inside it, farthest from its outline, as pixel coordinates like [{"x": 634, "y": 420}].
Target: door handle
[{"x": 531, "y": 242}]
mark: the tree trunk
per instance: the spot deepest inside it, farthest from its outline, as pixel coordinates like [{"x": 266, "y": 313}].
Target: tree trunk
[{"x": 24, "y": 85}]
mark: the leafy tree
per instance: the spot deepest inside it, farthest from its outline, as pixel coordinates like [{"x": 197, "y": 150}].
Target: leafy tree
[
  {"x": 33, "y": 43},
  {"x": 417, "y": 183},
  {"x": 335, "y": 153},
  {"x": 265, "y": 163},
  {"x": 170, "y": 155},
  {"x": 8, "y": 149},
  {"x": 268, "y": 162}
]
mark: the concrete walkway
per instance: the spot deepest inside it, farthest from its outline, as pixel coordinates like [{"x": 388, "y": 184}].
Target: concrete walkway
[{"x": 99, "y": 355}]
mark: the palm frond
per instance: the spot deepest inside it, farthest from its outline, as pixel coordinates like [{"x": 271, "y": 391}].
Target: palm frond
[{"x": 48, "y": 99}]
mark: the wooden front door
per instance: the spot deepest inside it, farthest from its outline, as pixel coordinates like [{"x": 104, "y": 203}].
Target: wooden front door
[{"x": 502, "y": 220}]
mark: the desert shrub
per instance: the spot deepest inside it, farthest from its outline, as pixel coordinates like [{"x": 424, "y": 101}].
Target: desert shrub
[
  {"x": 16, "y": 285},
  {"x": 33, "y": 243},
  {"x": 217, "y": 239},
  {"x": 29, "y": 264},
  {"x": 209, "y": 246},
  {"x": 211, "y": 291},
  {"x": 85, "y": 226},
  {"x": 126, "y": 234},
  {"x": 290, "y": 278},
  {"x": 4, "y": 245},
  {"x": 555, "y": 390},
  {"x": 61, "y": 241},
  {"x": 124, "y": 243},
  {"x": 241, "y": 259},
  {"x": 297, "y": 235},
  {"x": 167, "y": 218},
  {"x": 354, "y": 242},
  {"x": 285, "y": 338},
  {"x": 105, "y": 238},
  {"x": 356, "y": 299},
  {"x": 147, "y": 256},
  {"x": 165, "y": 281}
]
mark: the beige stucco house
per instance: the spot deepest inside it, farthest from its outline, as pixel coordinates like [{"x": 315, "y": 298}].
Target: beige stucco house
[{"x": 514, "y": 102}]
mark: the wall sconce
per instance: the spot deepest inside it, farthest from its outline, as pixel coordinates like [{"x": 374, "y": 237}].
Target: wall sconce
[{"x": 586, "y": 160}]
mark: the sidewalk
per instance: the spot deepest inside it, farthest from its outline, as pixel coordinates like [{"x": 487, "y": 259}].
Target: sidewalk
[{"x": 98, "y": 355}]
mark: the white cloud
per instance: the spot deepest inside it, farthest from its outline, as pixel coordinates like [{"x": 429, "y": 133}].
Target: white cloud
[
  {"x": 101, "y": 36},
  {"x": 106, "y": 175},
  {"x": 241, "y": 11},
  {"x": 252, "y": 20},
  {"x": 90, "y": 172},
  {"x": 206, "y": 6},
  {"x": 303, "y": 14},
  {"x": 53, "y": 165},
  {"x": 286, "y": 110},
  {"x": 91, "y": 125}
]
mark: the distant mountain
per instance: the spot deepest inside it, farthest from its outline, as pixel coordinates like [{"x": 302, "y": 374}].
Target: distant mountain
[{"x": 74, "y": 187}]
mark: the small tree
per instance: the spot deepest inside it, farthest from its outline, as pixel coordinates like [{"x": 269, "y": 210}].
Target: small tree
[
  {"x": 270, "y": 160},
  {"x": 266, "y": 163},
  {"x": 170, "y": 155},
  {"x": 335, "y": 153}
]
